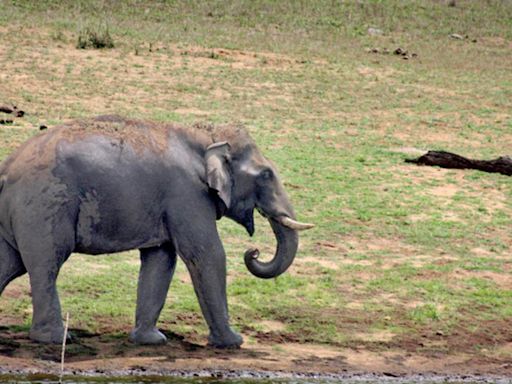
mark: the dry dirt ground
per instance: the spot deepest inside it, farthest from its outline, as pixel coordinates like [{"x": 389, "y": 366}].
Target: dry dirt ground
[{"x": 107, "y": 354}]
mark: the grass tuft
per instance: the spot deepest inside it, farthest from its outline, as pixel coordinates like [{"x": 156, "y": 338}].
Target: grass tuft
[{"x": 95, "y": 39}]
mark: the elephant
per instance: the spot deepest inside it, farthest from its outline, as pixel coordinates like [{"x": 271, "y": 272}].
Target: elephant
[{"x": 110, "y": 184}]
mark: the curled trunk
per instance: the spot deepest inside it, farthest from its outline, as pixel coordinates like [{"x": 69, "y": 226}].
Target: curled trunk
[{"x": 287, "y": 244}]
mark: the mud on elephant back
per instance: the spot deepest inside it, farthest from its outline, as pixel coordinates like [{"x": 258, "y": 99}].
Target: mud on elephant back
[{"x": 110, "y": 184}]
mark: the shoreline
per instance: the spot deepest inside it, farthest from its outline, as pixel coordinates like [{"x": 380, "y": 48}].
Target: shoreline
[
  {"x": 106, "y": 355},
  {"x": 162, "y": 368},
  {"x": 129, "y": 375}
]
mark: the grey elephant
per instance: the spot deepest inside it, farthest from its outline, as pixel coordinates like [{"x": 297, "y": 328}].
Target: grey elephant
[{"x": 110, "y": 184}]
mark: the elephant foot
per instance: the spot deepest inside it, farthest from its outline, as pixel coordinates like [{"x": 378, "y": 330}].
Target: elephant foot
[
  {"x": 147, "y": 336},
  {"x": 231, "y": 340},
  {"x": 48, "y": 336}
]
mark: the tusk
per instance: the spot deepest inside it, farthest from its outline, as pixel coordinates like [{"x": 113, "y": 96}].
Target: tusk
[{"x": 290, "y": 223}]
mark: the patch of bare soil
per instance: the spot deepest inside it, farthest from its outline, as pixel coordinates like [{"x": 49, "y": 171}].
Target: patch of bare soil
[
  {"x": 409, "y": 150},
  {"x": 502, "y": 280},
  {"x": 240, "y": 59},
  {"x": 382, "y": 353}
]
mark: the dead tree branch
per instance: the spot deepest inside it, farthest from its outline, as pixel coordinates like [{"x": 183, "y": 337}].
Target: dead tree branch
[{"x": 444, "y": 159}]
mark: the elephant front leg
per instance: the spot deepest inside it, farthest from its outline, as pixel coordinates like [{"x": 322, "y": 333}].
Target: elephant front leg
[
  {"x": 156, "y": 271},
  {"x": 207, "y": 267}
]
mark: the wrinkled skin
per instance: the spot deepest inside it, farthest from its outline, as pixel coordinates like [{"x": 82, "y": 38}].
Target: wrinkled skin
[{"x": 109, "y": 184}]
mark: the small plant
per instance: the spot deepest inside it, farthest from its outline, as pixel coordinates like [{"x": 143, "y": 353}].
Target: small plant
[
  {"x": 425, "y": 313},
  {"x": 58, "y": 36},
  {"x": 92, "y": 39}
]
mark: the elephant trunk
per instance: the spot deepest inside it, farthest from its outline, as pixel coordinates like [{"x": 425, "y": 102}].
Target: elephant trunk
[{"x": 287, "y": 244}]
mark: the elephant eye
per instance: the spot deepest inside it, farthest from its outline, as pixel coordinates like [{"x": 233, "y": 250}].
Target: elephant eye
[{"x": 267, "y": 174}]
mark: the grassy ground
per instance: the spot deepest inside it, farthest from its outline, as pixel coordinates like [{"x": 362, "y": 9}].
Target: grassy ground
[{"x": 405, "y": 257}]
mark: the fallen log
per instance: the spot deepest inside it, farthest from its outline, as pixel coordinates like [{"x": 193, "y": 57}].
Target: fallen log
[
  {"x": 502, "y": 164},
  {"x": 14, "y": 109},
  {"x": 5, "y": 109}
]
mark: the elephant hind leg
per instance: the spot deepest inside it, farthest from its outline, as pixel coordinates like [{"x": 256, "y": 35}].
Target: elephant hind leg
[
  {"x": 11, "y": 265},
  {"x": 44, "y": 248}
]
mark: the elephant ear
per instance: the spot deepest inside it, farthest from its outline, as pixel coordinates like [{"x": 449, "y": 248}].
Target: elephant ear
[{"x": 218, "y": 175}]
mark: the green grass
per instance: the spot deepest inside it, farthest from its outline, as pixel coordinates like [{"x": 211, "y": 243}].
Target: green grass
[{"x": 396, "y": 247}]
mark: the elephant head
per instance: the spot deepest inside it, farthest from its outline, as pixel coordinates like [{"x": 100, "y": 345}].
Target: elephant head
[{"x": 244, "y": 180}]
